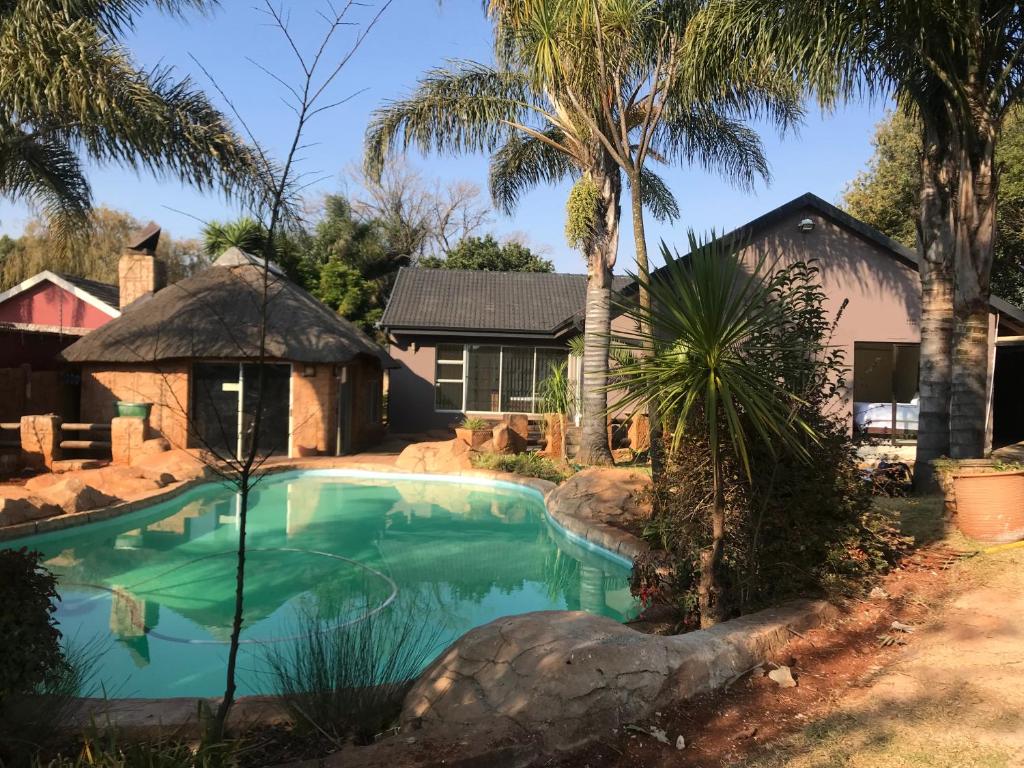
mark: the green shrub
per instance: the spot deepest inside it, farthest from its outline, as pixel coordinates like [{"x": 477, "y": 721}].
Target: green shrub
[
  {"x": 473, "y": 422},
  {"x": 796, "y": 525},
  {"x": 525, "y": 464},
  {"x": 30, "y": 652},
  {"x": 351, "y": 681}
]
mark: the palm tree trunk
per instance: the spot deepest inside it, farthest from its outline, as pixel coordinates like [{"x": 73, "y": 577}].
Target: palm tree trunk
[
  {"x": 602, "y": 250},
  {"x": 710, "y": 589},
  {"x": 972, "y": 266},
  {"x": 643, "y": 268},
  {"x": 935, "y": 236}
]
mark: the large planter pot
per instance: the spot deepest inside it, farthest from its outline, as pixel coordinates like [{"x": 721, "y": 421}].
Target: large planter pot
[
  {"x": 989, "y": 503},
  {"x": 134, "y": 410},
  {"x": 473, "y": 437}
]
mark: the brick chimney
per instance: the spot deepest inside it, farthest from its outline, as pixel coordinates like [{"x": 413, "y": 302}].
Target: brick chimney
[{"x": 139, "y": 272}]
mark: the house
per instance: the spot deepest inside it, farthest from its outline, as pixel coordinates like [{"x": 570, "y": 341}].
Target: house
[
  {"x": 460, "y": 336},
  {"x": 191, "y": 350},
  {"x": 476, "y": 343},
  {"x": 879, "y": 330},
  {"x": 39, "y": 317}
]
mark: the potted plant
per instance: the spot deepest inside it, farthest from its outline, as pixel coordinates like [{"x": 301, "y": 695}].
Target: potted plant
[
  {"x": 985, "y": 496},
  {"x": 473, "y": 431},
  {"x": 134, "y": 410}
]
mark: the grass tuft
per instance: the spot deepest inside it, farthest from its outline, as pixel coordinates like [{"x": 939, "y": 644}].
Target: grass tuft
[
  {"x": 525, "y": 464},
  {"x": 349, "y": 682}
]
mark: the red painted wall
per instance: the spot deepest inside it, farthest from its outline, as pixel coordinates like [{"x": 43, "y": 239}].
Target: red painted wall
[{"x": 48, "y": 304}]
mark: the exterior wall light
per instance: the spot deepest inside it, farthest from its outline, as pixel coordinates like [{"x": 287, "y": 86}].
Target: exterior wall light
[{"x": 805, "y": 225}]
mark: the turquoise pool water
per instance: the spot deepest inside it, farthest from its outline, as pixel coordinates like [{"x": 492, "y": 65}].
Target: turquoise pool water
[{"x": 157, "y": 587}]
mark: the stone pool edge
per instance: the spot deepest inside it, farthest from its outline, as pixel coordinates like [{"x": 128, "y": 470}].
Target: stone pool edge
[{"x": 173, "y": 490}]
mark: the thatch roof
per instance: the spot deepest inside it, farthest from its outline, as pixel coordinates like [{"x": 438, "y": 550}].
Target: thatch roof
[{"x": 216, "y": 315}]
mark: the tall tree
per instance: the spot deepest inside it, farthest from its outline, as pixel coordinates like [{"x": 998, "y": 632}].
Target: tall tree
[
  {"x": 69, "y": 88},
  {"x": 521, "y": 111},
  {"x": 959, "y": 68},
  {"x": 650, "y": 113},
  {"x": 487, "y": 254},
  {"x": 95, "y": 254},
  {"x": 885, "y": 194}
]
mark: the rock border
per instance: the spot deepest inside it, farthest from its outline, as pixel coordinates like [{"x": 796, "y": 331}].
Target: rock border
[
  {"x": 173, "y": 490},
  {"x": 594, "y": 532}
]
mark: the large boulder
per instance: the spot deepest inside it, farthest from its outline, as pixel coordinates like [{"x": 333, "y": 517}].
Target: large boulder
[
  {"x": 18, "y": 506},
  {"x": 505, "y": 440},
  {"x": 565, "y": 678},
  {"x": 439, "y": 457},
  {"x": 74, "y": 495},
  {"x": 180, "y": 464},
  {"x": 619, "y": 497}
]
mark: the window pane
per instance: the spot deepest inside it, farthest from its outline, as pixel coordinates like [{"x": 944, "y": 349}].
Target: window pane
[
  {"x": 448, "y": 396},
  {"x": 449, "y": 353},
  {"x": 546, "y": 359},
  {"x": 872, "y": 373},
  {"x": 482, "y": 379},
  {"x": 517, "y": 379},
  {"x": 905, "y": 372},
  {"x": 449, "y": 371}
]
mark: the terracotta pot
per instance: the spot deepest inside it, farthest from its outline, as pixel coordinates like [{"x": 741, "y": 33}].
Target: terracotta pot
[
  {"x": 474, "y": 438},
  {"x": 989, "y": 504}
]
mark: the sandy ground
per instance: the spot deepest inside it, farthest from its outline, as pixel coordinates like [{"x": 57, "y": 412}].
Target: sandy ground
[{"x": 953, "y": 697}]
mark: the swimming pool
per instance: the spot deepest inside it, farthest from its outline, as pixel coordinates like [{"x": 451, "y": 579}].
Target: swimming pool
[{"x": 157, "y": 586}]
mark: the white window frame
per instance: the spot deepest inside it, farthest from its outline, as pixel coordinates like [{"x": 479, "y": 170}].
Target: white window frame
[
  {"x": 438, "y": 361},
  {"x": 501, "y": 366}
]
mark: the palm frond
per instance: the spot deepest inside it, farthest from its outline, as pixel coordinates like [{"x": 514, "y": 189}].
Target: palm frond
[
  {"x": 524, "y": 162},
  {"x": 464, "y": 107},
  {"x": 657, "y": 197},
  {"x": 717, "y": 142},
  {"x": 49, "y": 176}
]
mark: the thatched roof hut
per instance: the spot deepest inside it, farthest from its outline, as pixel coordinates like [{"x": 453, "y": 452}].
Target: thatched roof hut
[
  {"x": 216, "y": 314},
  {"x": 189, "y": 349}
]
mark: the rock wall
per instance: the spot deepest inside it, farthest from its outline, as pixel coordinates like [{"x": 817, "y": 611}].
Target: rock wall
[{"x": 565, "y": 678}]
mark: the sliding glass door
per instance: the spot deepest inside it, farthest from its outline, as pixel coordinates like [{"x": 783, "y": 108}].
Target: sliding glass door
[{"x": 225, "y": 398}]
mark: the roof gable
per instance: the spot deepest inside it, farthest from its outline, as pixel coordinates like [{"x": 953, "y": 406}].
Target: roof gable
[
  {"x": 749, "y": 231},
  {"x": 102, "y": 296}
]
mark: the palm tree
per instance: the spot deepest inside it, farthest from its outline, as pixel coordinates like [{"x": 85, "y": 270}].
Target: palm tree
[
  {"x": 634, "y": 64},
  {"x": 69, "y": 89},
  {"x": 520, "y": 111},
  {"x": 245, "y": 233},
  {"x": 958, "y": 67},
  {"x": 708, "y": 325}
]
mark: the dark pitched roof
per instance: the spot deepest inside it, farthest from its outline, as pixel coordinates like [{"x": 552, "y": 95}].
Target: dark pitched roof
[
  {"x": 216, "y": 315},
  {"x": 105, "y": 292},
  {"x": 515, "y": 303},
  {"x": 900, "y": 252}
]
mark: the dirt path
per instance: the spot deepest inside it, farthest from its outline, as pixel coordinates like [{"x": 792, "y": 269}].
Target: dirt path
[{"x": 954, "y": 696}]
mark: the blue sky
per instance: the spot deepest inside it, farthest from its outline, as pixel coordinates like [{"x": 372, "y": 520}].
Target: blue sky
[{"x": 413, "y": 36}]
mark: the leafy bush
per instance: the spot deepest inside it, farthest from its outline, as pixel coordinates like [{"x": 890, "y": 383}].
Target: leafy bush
[
  {"x": 802, "y": 521},
  {"x": 30, "y": 652},
  {"x": 525, "y": 464},
  {"x": 473, "y": 422},
  {"x": 351, "y": 681}
]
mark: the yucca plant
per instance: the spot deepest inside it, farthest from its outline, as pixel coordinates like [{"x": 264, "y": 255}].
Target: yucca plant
[{"x": 707, "y": 310}]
